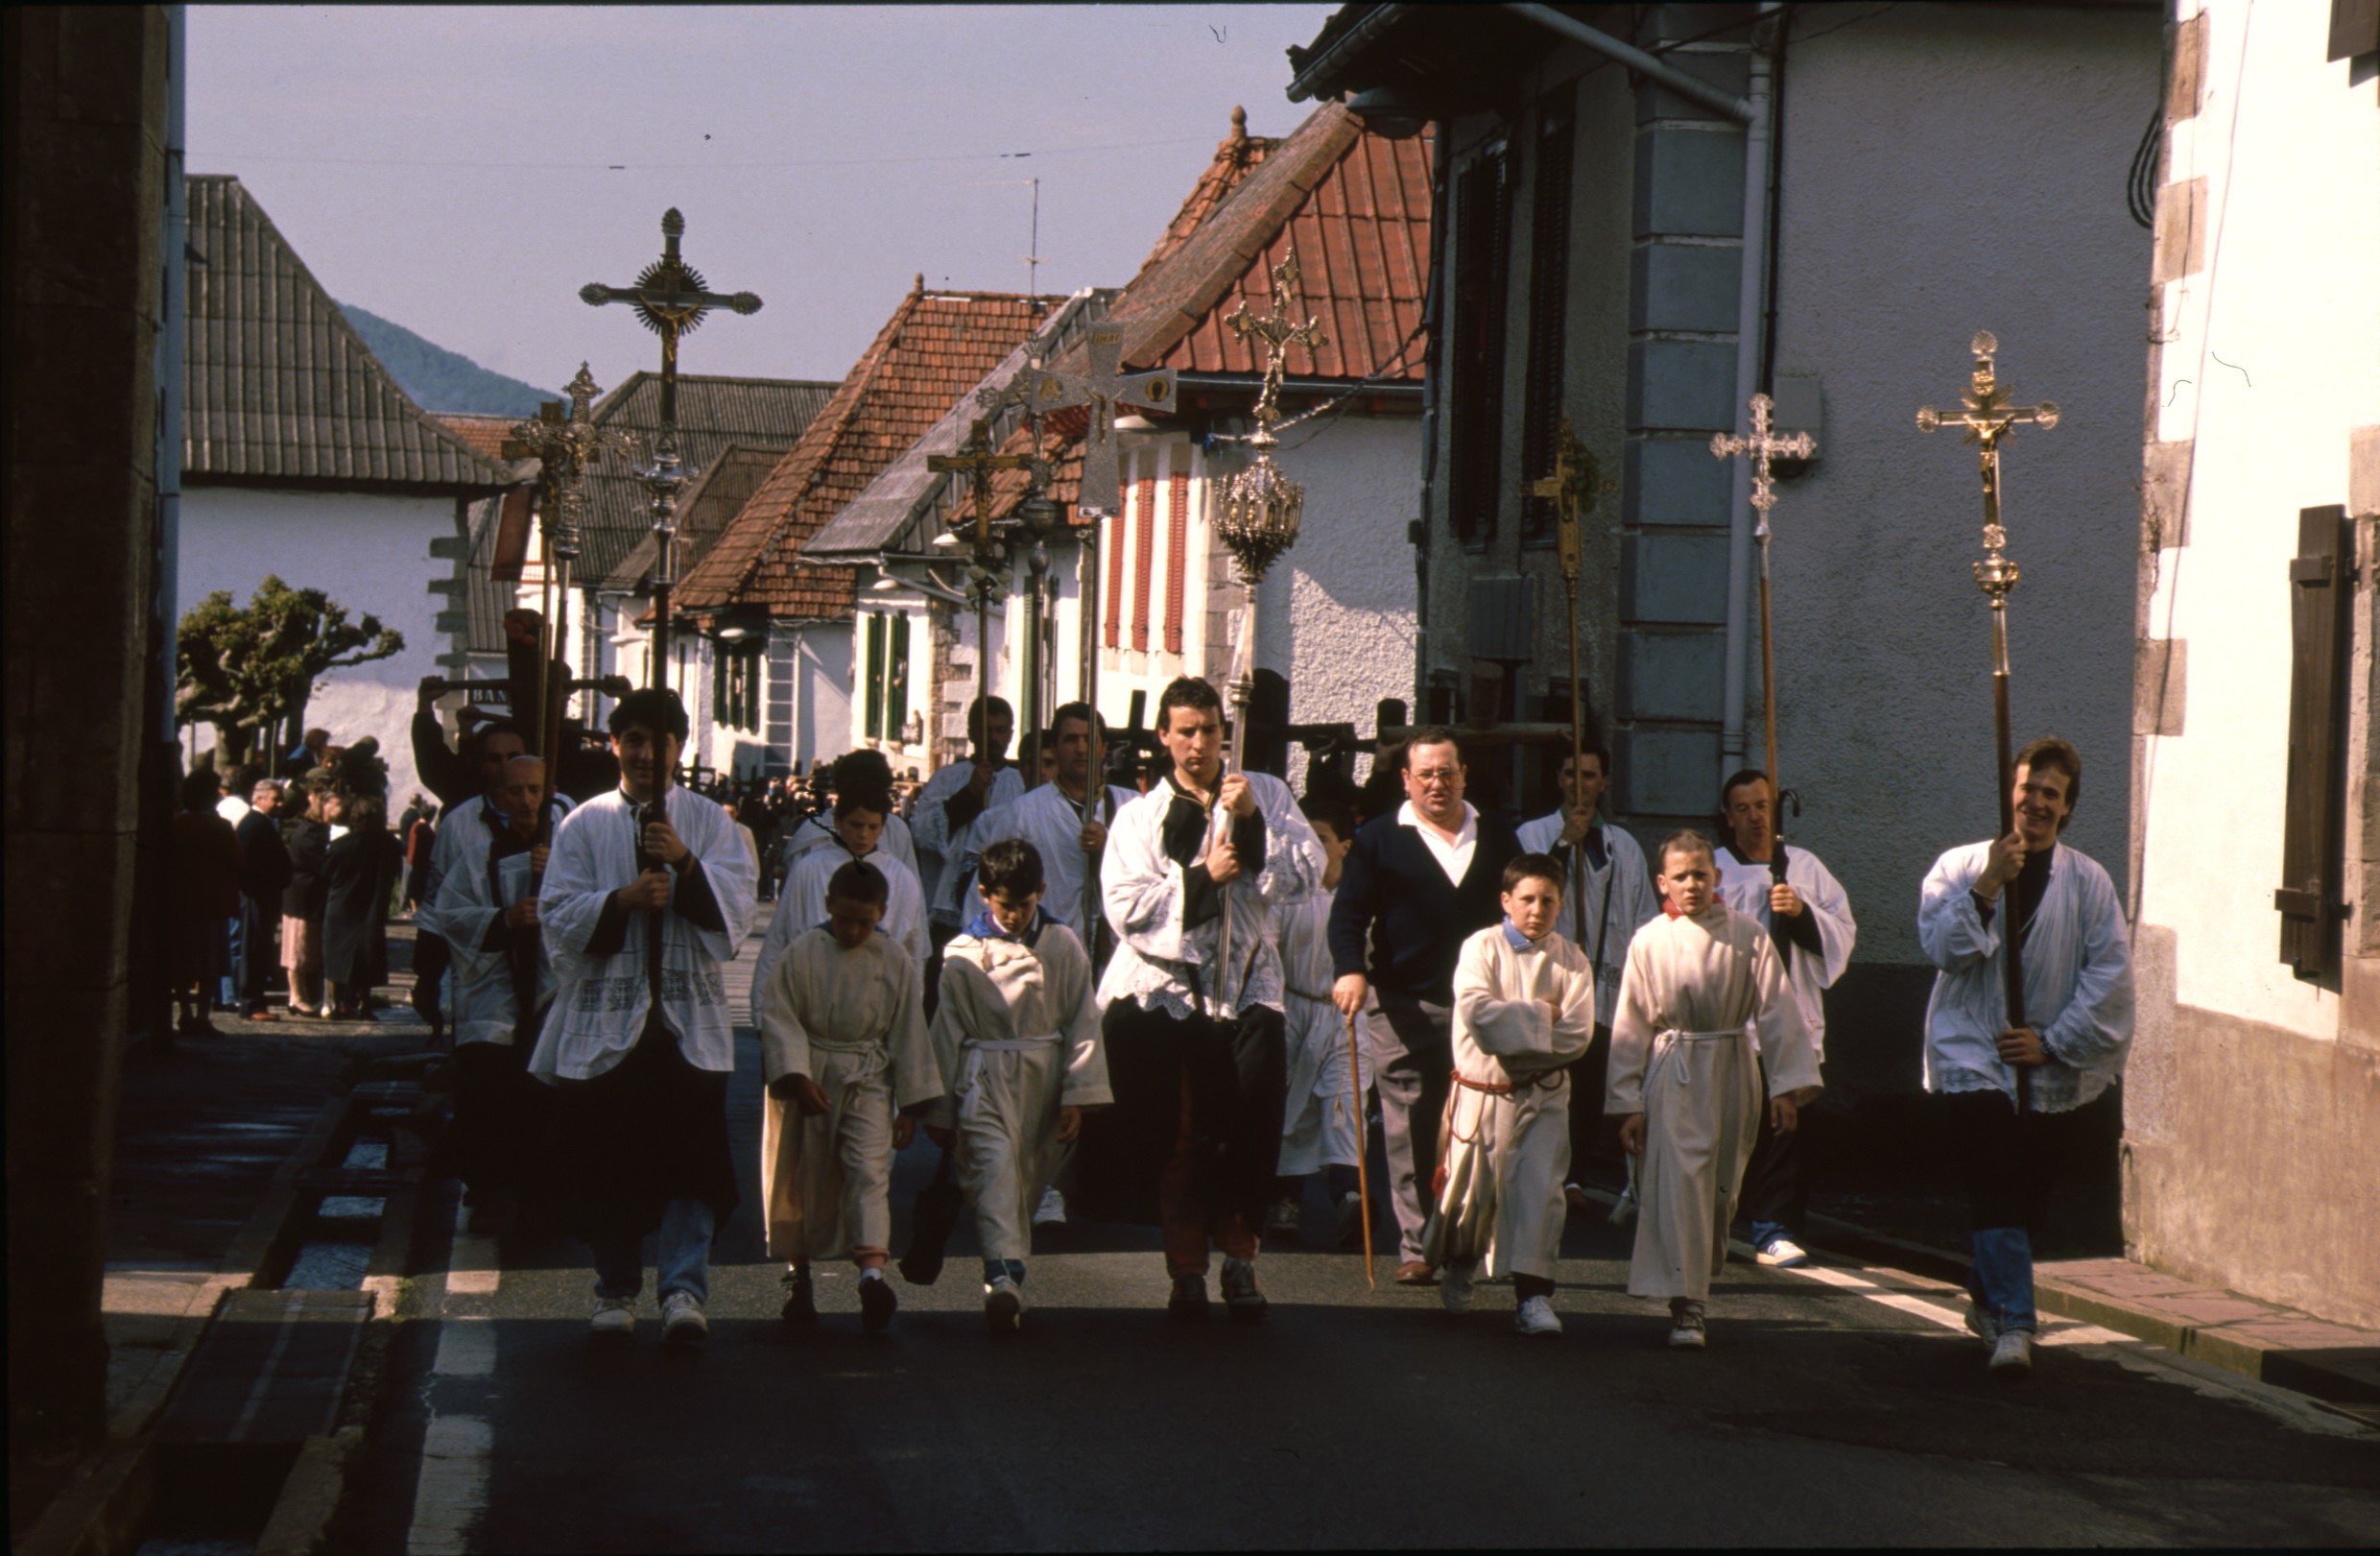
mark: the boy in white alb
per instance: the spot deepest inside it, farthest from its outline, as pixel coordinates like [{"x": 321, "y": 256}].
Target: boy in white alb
[
  {"x": 1017, "y": 1034},
  {"x": 843, "y": 1046},
  {"x": 859, "y": 833},
  {"x": 1319, "y": 1125},
  {"x": 1524, "y": 1011},
  {"x": 1704, "y": 1012}
]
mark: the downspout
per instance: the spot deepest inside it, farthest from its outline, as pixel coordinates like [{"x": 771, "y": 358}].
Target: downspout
[
  {"x": 1751, "y": 307},
  {"x": 1440, "y": 244},
  {"x": 1695, "y": 90}
]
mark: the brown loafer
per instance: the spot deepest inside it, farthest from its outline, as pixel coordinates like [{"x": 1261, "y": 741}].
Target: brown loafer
[{"x": 1414, "y": 1273}]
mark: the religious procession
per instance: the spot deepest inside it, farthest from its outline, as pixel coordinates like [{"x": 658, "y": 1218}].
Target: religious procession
[{"x": 1427, "y": 801}]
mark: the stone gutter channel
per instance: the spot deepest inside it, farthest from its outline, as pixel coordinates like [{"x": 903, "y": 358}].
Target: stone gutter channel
[{"x": 239, "y": 1437}]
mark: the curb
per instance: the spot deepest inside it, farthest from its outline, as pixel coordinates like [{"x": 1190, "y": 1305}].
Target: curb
[{"x": 300, "y": 1518}]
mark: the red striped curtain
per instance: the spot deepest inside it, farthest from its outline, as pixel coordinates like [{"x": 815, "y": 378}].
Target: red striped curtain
[
  {"x": 1144, "y": 549},
  {"x": 1177, "y": 555},
  {"x": 1115, "y": 579}
]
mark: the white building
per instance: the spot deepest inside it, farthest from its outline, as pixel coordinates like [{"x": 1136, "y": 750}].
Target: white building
[{"x": 303, "y": 459}]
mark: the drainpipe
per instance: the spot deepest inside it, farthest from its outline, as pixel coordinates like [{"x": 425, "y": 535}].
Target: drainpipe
[
  {"x": 1742, "y": 110},
  {"x": 1749, "y": 311}
]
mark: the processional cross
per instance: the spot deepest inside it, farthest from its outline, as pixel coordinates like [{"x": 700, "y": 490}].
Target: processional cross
[
  {"x": 1988, "y": 419},
  {"x": 977, "y": 459},
  {"x": 564, "y": 447},
  {"x": 1573, "y": 476},
  {"x": 670, "y": 299},
  {"x": 1761, "y": 446}
]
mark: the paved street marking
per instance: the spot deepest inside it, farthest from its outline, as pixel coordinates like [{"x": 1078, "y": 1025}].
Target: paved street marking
[
  {"x": 473, "y": 1266},
  {"x": 453, "y": 1489}
]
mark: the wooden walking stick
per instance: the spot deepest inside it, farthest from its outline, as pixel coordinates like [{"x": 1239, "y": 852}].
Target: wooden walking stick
[
  {"x": 1363, "y": 1151},
  {"x": 1988, "y": 418}
]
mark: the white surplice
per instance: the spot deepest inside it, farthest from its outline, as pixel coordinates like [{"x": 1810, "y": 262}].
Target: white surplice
[
  {"x": 1702, "y": 1003},
  {"x": 945, "y": 845},
  {"x": 1744, "y": 885},
  {"x": 471, "y": 897},
  {"x": 1045, "y": 818},
  {"x": 1318, "y": 1125},
  {"x": 1601, "y": 908},
  {"x": 600, "y": 1002},
  {"x": 854, "y": 1022},
  {"x": 1506, "y": 1139},
  {"x": 803, "y": 906},
  {"x": 817, "y": 831},
  {"x": 1159, "y": 964},
  {"x": 1017, "y": 1035},
  {"x": 2078, "y": 980}
]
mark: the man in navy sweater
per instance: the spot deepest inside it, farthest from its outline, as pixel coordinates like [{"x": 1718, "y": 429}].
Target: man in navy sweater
[{"x": 1415, "y": 886}]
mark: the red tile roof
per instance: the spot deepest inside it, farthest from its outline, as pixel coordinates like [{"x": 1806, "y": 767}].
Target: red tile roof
[
  {"x": 936, "y": 348},
  {"x": 1237, "y": 153},
  {"x": 1354, "y": 205}
]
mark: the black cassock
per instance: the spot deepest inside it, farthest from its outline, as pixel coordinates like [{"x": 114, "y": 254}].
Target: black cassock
[{"x": 359, "y": 870}]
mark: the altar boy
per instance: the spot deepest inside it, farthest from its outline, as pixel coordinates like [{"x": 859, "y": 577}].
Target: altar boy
[
  {"x": 1017, "y": 1037},
  {"x": 1524, "y": 1009},
  {"x": 842, "y": 1044},
  {"x": 1705, "y": 1010}
]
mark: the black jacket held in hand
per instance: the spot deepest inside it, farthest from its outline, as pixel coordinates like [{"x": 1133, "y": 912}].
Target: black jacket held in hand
[{"x": 1399, "y": 922}]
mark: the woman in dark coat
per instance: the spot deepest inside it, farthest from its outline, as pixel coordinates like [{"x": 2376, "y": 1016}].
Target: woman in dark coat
[
  {"x": 308, "y": 838},
  {"x": 359, "y": 873}
]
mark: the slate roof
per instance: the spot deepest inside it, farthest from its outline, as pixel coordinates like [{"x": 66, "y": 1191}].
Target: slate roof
[
  {"x": 936, "y": 348},
  {"x": 1356, "y": 208},
  {"x": 277, "y": 386},
  {"x": 713, "y": 412},
  {"x": 704, "y": 510}
]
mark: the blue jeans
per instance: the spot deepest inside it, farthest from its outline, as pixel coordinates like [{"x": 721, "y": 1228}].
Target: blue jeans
[
  {"x": 995, "y": 1268},
  {"x": 2009, "y": 1162},
  {"x": 2001, "y": 1278},
  {"x": 682, "y": 1252}
]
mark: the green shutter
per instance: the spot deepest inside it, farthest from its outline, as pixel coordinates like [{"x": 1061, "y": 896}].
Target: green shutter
[
  {"x": 875, "y": 676},
  {"x": 897, "y": 680}
]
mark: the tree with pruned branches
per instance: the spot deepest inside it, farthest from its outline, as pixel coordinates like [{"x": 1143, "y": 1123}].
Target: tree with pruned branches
[{"x": 242, "y": 668}]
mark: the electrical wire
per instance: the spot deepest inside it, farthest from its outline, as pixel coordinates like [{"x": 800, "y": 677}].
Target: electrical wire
[
  {"x": 673, "y": 167},
  {"x": 2140, "y": 184}
]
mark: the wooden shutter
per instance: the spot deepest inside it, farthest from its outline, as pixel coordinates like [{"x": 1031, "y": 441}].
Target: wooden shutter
[
  {"x": 875, "y": 676},
  {"x": 2313, "y": 834},
  {"x": 1116, "y": 535},
  {"x": 1483, "y": 230},
  {"x": 1177, "y": 554},
  {"x": 896, "y": 680},
  {"x": 1549, "y": 297},
  {"x": 1144, "y": 556}
]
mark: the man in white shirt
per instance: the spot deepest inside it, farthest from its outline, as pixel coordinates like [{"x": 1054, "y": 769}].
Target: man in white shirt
[{"x": 2068, "y": 922}]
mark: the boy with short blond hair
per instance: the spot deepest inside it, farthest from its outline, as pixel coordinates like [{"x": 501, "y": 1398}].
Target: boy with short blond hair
[
  {"x": 1524, "y": 1011},
  {"x": 843, "y": 1046},
  {"x": 1704, "y": 1010},
  {"x": 1016, "y": 1036}
]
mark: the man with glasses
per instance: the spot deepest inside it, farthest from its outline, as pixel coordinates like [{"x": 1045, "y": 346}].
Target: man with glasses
[{"x": 1415, "y": 885}]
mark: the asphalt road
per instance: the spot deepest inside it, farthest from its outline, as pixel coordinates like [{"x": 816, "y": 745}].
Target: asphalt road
[{"x": 1843, "y": 1408}]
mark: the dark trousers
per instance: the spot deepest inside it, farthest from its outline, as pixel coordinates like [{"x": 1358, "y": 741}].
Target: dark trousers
[
  {"x": 1198, "y": 1118},
  {"x": 937, "y": 935},
  {"x": 1413, "y": 1059},
  {"x": 431, "y": 957},
  {"x": 1776, "y": 1197},
  {"x": 2007, "y": 1160},
  {"x": 492, "y": 1136},
  {"x": 1588, "y": 1075},
  {"x": 260, "y": 950}
]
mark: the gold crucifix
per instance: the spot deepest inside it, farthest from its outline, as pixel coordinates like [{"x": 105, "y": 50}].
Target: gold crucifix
[
  {"x": 1279, "y": 331},
  {"x": 976, "y": 460},
  {"x": 1573, "y": 487},
  {"x": 1988, "y": 417}
]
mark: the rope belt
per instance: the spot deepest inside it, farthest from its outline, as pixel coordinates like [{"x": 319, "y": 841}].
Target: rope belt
[{"x": 1010, "y": 1045}]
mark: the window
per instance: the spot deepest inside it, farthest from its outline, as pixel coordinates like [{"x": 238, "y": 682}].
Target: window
[
  {"x": 735, "y": 684},
  {"x": 875, "y": 676},
  {"x": 897, "y": 680},
  {"x": 1549, "y": 297},
  {"x": 1482, "y": 241}
]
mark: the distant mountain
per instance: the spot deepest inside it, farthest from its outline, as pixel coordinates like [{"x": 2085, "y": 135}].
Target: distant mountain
[{"x": 438, "y": 379}]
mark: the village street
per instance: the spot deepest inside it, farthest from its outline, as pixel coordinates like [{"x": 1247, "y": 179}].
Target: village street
[{"x": 1842, "y": 1406}]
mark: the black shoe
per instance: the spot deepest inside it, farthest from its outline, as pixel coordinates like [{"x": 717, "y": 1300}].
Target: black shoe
[
  {"x": 1242, "y": 1299},
  {"x": 877, "y": 1303},
  {"x": 1188, "y": 1303},
  {"x": 800, "y": 1299}
]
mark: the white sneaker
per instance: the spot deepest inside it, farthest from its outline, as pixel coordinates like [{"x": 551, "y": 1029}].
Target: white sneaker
[
  {"x": 1536, "y": 1316},
  {"x": 1454, "y": 1286},
  {"x": 1783, "y": 1254},
  {"x": 1981, "y": 1324},
  {"x": 1004, "y": 1307},
  {"x": 1686, "y": 1326},
  {"x": 1282, "y": 1220},
  {"x": 614, "y": 1315},
  {"x": 1052, "y": 1211},
  {"x": 2012, "y": 1355},
  {"x": 681, "y": 1320}
]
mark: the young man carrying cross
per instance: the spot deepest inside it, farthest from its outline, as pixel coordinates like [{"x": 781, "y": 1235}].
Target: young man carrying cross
[
  {"x": 647, "y": 896},
  {"x": 1809, "y": 920},
  {"x": 2078, "y": 985},
  {"x": 1607, "y": 897}
]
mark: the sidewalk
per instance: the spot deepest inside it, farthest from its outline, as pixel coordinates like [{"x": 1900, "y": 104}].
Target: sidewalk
[{"x": 201, "y": 1129}]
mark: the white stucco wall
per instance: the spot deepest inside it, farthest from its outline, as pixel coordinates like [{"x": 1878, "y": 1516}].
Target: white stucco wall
[
  {"x": 2291, "y": 153},
  {"x": 370, "y": 554},
  {"x": 821, "y": 691},
  {"x": 1948, "y": 170}
]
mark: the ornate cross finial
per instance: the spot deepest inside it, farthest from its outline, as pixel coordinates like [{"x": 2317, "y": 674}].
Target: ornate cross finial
[
  {"x": 1988, "y": 419},
  {"x": 566, "y": 446},
  {"x": 1761, "y": 446},
  {"x": 977, "y": 459},
  {"x": 1575, "y": 482},
  {"x": 1279, "y": 331}
]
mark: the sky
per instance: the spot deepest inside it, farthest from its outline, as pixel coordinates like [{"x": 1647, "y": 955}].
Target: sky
[{"x": 463, "y": 171}]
